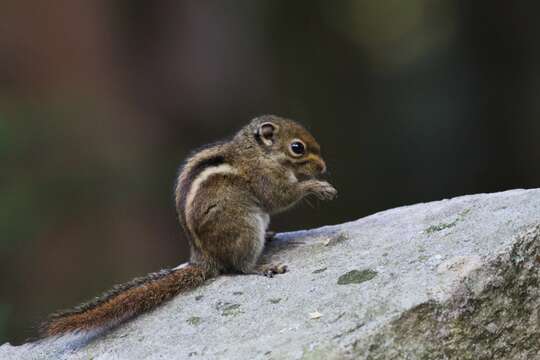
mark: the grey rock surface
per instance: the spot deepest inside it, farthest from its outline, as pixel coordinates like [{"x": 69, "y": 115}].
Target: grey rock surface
[{"x": 452, "y": 279}]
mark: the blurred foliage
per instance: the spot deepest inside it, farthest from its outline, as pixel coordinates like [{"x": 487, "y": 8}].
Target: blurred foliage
[
  {"x": 101, "y": 101},
  {"x": 4, "y": 313}
]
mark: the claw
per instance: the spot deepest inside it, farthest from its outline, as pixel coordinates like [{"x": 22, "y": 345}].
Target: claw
[
  {"x": 269, "y": 236},
  {"x": 269, "y": 270}
]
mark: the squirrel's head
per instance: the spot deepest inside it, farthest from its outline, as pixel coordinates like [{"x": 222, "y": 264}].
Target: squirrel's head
[{"x": 288, "y": 143}]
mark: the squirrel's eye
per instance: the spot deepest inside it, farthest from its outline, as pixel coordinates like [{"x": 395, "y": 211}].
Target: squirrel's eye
[{"x": 298, "y": 148}]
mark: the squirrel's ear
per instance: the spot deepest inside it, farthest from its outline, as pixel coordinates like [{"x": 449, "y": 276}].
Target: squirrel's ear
[{"x": 266, "y": 133}]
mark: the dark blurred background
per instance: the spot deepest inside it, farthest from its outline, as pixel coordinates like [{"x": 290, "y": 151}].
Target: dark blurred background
[{"x": 100, "y": 101}]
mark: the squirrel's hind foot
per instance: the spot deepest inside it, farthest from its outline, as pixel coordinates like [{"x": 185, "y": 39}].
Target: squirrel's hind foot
[{"x": 269, "y": 270}]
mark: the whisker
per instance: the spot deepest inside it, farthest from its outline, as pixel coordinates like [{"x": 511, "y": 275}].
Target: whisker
[{"x": 309, "y": 203}]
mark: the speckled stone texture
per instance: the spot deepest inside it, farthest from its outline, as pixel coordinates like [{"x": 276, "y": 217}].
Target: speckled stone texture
[{"x": 452, "y": 279}]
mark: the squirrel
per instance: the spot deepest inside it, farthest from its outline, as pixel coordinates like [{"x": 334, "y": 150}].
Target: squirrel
[{"x": 224, "y": 194}]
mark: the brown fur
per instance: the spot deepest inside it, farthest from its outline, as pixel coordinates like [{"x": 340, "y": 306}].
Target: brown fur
[
  {"x": 224, "y": 195},
  {"x": 125, "y": 301},
  {"x": 220, "y": 225}
]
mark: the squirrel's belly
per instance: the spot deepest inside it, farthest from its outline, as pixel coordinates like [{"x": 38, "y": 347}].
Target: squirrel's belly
[{"x": 260, "y": 221}]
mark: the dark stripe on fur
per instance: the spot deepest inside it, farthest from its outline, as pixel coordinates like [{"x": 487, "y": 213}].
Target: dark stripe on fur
[{"x": 185, "y": 186}]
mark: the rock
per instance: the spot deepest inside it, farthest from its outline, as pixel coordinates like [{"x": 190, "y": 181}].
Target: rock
[{"x": 453, "y": 279}]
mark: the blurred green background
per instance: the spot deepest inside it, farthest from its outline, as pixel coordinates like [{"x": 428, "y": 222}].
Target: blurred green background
[{"x": 100, "y": 101}]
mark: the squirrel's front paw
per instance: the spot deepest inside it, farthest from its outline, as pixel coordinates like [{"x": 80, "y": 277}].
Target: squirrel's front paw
[{"x": 321, "y": 189}]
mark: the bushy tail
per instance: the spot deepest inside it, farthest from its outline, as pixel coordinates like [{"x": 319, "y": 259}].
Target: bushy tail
[{"x": 124, "y": 301}]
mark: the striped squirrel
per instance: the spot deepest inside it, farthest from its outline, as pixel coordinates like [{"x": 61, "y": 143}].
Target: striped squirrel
[{"x": 224, "y": 196}]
